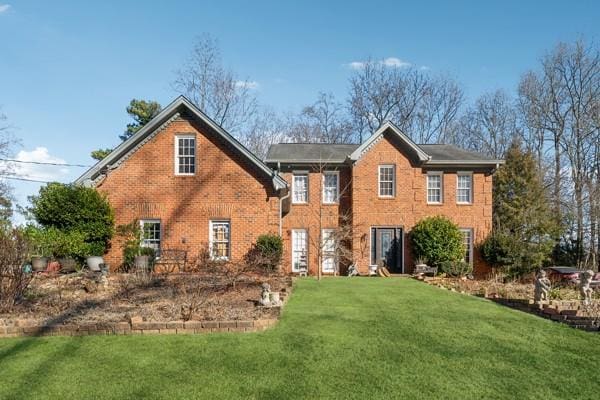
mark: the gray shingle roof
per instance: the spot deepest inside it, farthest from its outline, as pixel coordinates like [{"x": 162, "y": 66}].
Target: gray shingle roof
[
  {"x": 309, "y": 152},
  {"x": 338, "y": 153}
]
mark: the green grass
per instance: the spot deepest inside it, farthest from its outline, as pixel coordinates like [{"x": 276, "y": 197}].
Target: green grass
[{"x": 339, "y": 338}]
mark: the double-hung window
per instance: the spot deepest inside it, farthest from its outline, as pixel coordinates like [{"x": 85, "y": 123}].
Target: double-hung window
[
  {"x": 299, "y": 250},
  {"x": 328, "y": 250},
  {"x": 464, "y": 188},
  {"x": 468, "y": 243},
  {"x": 300, "y": 188},
  {"x": 185, "y": 155},
  {"x": 220, "y": 240},
  {"x": 434, "y": 187},
  {"x": 387, "y": 180},
  {"x": 331, "y": 187},
  {"x": 151, "y": 234}
]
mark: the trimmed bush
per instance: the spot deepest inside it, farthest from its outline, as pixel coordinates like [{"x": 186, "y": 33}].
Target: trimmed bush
[
  {"x": 72, "y": 208},
  {"x": 437, "y": 239},
  {"x": 268, "y": 251},
  {"x": 456, "y": 268}
]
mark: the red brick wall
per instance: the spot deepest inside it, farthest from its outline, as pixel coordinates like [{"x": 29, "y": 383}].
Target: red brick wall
[
  {"x": 410, "y": 204},
  {"x": 225, "y": 186}
]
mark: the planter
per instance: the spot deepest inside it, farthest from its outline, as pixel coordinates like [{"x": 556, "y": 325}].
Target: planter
[
  {"x": 67, "y": 264},
  {"x": 93, "y": 263},
  {"x": 39, "y": 264},
  {"x": 141, "y": 263}
]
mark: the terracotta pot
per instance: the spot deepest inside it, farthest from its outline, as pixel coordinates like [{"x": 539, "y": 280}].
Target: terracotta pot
[
  {"x": 39, "y": 264},
  {"x": 53, "y": 266}
]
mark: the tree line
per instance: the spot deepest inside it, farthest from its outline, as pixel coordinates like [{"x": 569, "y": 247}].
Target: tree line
[{"x": 553, "y": 115}]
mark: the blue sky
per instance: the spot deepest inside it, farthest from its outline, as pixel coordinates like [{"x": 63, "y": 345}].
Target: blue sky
[{"x": 69, "y": 68}]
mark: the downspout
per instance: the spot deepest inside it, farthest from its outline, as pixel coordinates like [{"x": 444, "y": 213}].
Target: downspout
[{"x": 281, "y": 200}]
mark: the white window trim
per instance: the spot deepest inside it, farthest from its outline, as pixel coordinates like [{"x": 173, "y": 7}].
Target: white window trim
[
  {"x": 393, "y": 166},
  {"x": 176, "y": 154},
  {"x": 465, "y": 173},
  {"x": 441, "y": 175},
  {"x": 471, "y": 245},
  {"x": 337, "y": 189},
  {"x": 324, "y": 232},
  {"x": 151, "y": 221},
  {"x": 305, "y": 231},
  {"x": 294, "y": 174},
  {"x": 210, "y": 236}
]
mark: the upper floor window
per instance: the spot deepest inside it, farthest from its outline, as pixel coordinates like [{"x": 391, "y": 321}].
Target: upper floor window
[
  {"x": 331, "y": 187},
  {"x": 434, "y": 187},
  {"x": 300, "y": 188},
  {"x": 464, "y": 188},
  {"x": 151, "y": 234},
  {"x": 185, "y": 155},
  {"x": 220, "y": 242},
  {"x": 468, "y": 243},
  {"x": 387, "y": 180}
]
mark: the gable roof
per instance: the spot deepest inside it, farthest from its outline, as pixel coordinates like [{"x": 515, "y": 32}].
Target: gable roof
[
  {"x": 166, "y": 116},
  {"x": 309, "y": 153}
]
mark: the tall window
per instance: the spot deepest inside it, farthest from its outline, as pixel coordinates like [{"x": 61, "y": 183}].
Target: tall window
[
  {"x": 387, "y": 180},
  {"x": 151, "y": 234},
  {"x": 331, "y": 187},
  {"x": 220, "y": 242},
  {"x": 185, "y": 155},
  {"x": 468, "y": 243},
  {"x": 434, "y": 187},
  {"x": 328, "y": 250},
  {"x": 464, "y": 191},
  {"x": 299, "y": 250},
  {"x": 300, "y": 188}
]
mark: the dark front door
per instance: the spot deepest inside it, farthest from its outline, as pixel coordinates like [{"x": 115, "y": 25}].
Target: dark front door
[{"x": 386, "y": 247}]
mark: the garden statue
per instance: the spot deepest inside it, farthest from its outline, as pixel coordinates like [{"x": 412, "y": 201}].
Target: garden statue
[
  {"x": 352, "y": 270},
  {"x": 584, "y": 287},
  {"x": 542, "y": 287},
  {"x": 265, "y": 295}
]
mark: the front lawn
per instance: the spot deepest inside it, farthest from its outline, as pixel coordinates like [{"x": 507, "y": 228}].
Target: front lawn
[{"x": 339, "y": 338}]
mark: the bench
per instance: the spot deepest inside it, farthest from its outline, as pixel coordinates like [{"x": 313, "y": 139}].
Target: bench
[{"x": 171, "y": 260}]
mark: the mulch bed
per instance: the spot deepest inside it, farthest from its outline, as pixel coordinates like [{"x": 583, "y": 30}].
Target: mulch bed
[{"x": 87, "y": 298}]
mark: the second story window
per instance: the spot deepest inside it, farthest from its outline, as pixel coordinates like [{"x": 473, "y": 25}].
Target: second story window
[
  {"x": 330, "y": 187},
  {"x": 434, "y": 188},
  {"x": 300, "y": 188},
  {"x": 185, "y": 155},
  {"x": 387, "y": 180},
  {"x": 464, "y": 191}
]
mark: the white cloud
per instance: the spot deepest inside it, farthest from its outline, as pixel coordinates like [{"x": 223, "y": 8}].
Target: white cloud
[
  {"x": 4, "y": 8},
  {"x": 252, "y": 85},
  {"x": 395, "y": 62},
  {"x": 390, "y": 62},
  {"x": 43, "y": 172}
]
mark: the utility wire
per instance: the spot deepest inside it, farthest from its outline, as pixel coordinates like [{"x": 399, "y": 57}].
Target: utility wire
[
  {"x": 18, "y": 178},
  {"x": 45, "y": 163}
]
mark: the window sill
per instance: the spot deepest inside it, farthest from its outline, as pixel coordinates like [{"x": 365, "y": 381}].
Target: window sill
[
  {"x": 464, "y": 204},
  {"x": 386, "y": 197},
  {"x": 435, "y": 204}
]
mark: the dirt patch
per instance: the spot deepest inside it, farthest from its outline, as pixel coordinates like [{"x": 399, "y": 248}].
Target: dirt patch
[{"x": 89, "y": 298}]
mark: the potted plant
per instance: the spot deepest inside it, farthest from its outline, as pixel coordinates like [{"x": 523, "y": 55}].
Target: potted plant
[
  {"x": 38, "y": 239},
  {"x": 144, "y": 260}
]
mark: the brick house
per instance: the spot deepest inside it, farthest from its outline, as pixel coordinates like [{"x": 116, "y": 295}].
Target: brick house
[{"x": 192, "y": 186}]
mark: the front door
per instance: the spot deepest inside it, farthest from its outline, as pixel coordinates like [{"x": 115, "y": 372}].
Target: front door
[{"x": 386, "y": 248}]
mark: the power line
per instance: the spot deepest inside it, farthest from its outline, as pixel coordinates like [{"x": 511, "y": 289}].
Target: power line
[
  {"x": 18, "y": 178},
  {"x": 45, "y": 163}
]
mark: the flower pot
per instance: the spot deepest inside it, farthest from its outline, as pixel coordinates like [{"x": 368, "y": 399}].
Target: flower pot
[
  {"x": 67, "y": 264},
  {"x": 39, "y": 264},
  {"x": 53, "y": 267},
  {"x": 141, "y": 263},
  {"x": 93, "y": 263}
]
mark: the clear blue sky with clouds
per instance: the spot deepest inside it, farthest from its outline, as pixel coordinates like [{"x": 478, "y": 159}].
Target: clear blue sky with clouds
[{"x": 69, "y": 68}]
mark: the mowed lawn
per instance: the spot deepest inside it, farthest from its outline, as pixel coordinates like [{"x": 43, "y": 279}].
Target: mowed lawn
[{"x": 339, "y": 338}]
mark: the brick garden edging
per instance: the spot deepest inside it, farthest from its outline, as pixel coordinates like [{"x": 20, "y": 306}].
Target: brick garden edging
[{"x": 135, "y": 327}]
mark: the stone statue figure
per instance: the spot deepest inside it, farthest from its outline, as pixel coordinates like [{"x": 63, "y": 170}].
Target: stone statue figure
[
  {"x": 265, "y": 295},
  {"x": 584, "y": 286},
  {"x": 352, "y": 270},
  {"x": 275, "y": 299},
  {"x": 542, "y": 287}
]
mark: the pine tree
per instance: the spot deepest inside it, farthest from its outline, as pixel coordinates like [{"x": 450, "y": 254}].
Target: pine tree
[{"x": 524, "y": 228}]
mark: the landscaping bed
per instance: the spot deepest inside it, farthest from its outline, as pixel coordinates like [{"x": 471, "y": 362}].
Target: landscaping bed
[{"x": 80, "y": 299}]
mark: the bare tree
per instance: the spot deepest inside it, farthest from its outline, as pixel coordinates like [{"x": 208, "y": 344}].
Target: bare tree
[
  {"x": 217, "y": 91},
  {"x": 489, "y": 126},
  {"x": 265, "y": 129},
  {"x": 324, "y": 121},
  {"x": 7, "y": 141},
  {"x": 421, "y": 105}
]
